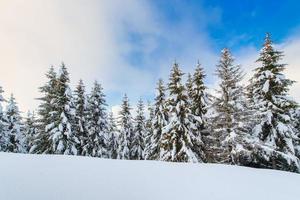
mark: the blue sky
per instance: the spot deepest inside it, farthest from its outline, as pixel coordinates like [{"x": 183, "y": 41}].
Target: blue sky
[{"x": 128, "y": 45}]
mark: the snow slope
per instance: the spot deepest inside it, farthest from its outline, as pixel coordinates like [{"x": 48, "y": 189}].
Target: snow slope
[{"x": 55, "y": 177}]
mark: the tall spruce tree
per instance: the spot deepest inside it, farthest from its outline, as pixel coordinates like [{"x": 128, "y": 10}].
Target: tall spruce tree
[
  {"x": 47, "y": 114},
  {"x": 112, "y": 137},
  {"x": 16, "y": 138},
  {"x": 159, "y": 121},
  {"x": 199, "y": 103},
  {"x": 229, "y": 122},
  {"x": 271, "y": 100},
  {"x": 30, "y": 130},
  {"x": 3, "y": 124},
  {"x": 97, "y": 123},
  {"x": 199, "y": 98},
  {"x": 126, "y": 130},
  {"x": 137, "y": 148},
  {"x": 81, "y": 115},
  {"x": 179, "y": 139},
  {"x": 62, "y": 134}
]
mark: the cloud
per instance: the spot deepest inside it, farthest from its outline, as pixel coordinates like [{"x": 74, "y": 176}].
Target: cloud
[{"x": 125, "y": 46}]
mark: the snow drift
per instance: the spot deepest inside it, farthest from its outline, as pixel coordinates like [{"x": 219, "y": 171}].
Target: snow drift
[{"x": 55, "y": 177}]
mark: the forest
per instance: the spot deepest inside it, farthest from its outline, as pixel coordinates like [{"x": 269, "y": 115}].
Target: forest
[{"x": 255, "y": 124}]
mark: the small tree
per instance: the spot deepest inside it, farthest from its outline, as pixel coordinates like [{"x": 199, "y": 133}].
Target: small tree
[
  {"x": 137, "y": 150},
  {"x": 112, "y": 137},
  {"x": 3, "y": 124},
  {"x": 126, "y": 130},
  {"x": 31, "y": 130},
  {"x": 81, "y": 115},
  {"x": 16, "y": 140},
  {"x": 159, "y": 121},
  {"x": 97, "y": 123}
]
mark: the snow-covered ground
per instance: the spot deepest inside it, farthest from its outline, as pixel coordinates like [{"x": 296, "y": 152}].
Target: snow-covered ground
[{"x": 55, "y": 177}]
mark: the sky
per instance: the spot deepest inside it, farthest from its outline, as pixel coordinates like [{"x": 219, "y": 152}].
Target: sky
[{"x": 127, "y": 45}]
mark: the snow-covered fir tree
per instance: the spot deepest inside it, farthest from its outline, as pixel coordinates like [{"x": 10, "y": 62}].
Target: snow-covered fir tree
[
  {"x": 62, "y": 135},
  {"x": 270, "y": 97},
  {"x": 97, "y": 124},
  {"x": 160, "y": 120},
  {"x": 149, "y": 130},
  {"x": 112, "y": 137},
  {"x": 126, "y": 130},
  {"x": 139, "y": 132},
  {"x": 16, "y": 139},
  {"x": 199, "y": 103},
  {"x": 47, "y": 114},
  {"x": 57, "y": 113},
  {"x": 81, "y": 115},
  {"x": 199, "y": 98},
  {"x": 3, "y": 124},
  {"x": 179, "y": 138},
  {"x": 30, "y": 130},
  {"x": 229, "y": 122}
]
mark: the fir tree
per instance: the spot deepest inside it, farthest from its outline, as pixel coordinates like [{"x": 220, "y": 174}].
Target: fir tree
[
  {"x": 31, "y": 130},
  {"x": 62, "y": 135},
  {"x": 97, "y": 123},
  {"x": 149, "y": 131},
  {"x": 16, "y": 139},
  {"x": 199, "y": 102},
  {"x": 160, "y": 120},
  {"x": 112, "y": 137},
  {"x": 126, "y": 130},
  {"x": 229, "y": 121},
  {"x": 137, "y": 148},
  {"x": 3, "y": 124},
  {"x": 271, "y": 100},
  {"x": 47, "y": 114},
  {"x": 81, "y": 113},
  {"x": 199, "y": 98},
  {"x": 179, "y": 140}
]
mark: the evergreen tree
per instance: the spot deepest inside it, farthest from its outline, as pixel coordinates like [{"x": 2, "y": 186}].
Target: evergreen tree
[
  {"x": 149, "y": 131},
  {"x": 3, "y": 124},
  {"x": 81, "y": 113},
  {"x": 229, "y": 122},
  {"x": 137, "y": 149},
  {"x": 179, "y": 139},
  {"x": 62, "y": 135},
  {"x": 271, "y": 100},
  {"x": 97, "y": 124},
  {"x": 112, "y": 137},
  {"x": 126, "y": 130},
  {"x": 31, "y": 130},
  {"x": 160, "y": 120},
  {"x": 199, "y": 102},
  {"x": 47, "y": 114},
  {"x": 199, "y": 98},
  {"x": 16, "y": 139}
]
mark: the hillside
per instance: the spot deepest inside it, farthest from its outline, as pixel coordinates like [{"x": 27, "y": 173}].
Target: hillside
[{"x": 49, "y": 177}]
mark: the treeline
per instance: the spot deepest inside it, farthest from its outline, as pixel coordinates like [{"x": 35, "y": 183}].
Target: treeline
[{"x": 256, "y": 125}]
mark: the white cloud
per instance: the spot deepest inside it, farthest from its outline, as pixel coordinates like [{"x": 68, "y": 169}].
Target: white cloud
[
  {"x": 93, "y": 39},
  {"x": 87, "y": 36}
]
